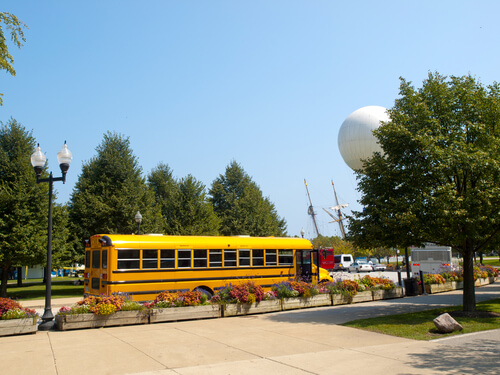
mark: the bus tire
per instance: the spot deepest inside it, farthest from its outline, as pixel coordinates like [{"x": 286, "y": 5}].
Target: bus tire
[{"x": 205, "y": 290}]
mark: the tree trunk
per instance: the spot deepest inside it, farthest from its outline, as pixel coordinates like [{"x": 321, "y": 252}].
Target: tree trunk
[
  {"x": 469, "y": 295},
  {"x": 5, "y": 275},
  {"x": 19, "y": 276}
]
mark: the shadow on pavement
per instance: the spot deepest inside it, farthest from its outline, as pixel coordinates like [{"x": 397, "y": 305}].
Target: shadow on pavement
[
  {"x": 346, "y": 313},
  {"x": 460, "y": 359}
]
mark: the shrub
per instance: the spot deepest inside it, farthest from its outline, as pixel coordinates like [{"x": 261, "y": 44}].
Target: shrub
[
  {"x": 10, "y": 309},
  {"x": 345, "y": 287},
  {"x": 246, "y": 292},
  {"x": 453, "y": 274},
  {"x": 101, "y": 305},
  {"x": 480, "y": 273},
  {"x": 178, "y": 299},
  {"x": 432, "y": 278},
  {"x": 284, "y": 290},
  {"x": 491, "y": 271},
  {"x": 372, "y": 283}
]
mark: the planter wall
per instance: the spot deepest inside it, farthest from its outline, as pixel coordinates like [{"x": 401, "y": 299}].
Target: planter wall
[
  {"x": 80, "y": 321},
  {"x": 303, "y": 302},
  {"x": 481, "y": 282},
  {"x": 184, "y": 313},
  {"x": 453, "y": 285},
  {"x": 381, "y": 294},
  {"x": 119, "y": 318},
  {"x": 17, "y": 326},
  {"x": 236, "y": 309},
  {"x": 340, "y": 299},
  {"x": 365, "y": 296}
]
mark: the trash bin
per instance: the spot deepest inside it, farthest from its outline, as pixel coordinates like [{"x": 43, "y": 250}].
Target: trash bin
[{"x": 411, "y": 286}]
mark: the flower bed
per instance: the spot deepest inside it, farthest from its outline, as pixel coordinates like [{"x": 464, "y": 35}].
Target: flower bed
[
  {"x": 94, "y": 312},
  {"x": 172, "y": 306},
  {"x": 265, "y": 306},
  {"x": 347, "y": 290},
  {"x": 15, "y": 319},
  {"x": 246, "y": 298},
  {"x": 452, "y": 279},
  {"x": 232, "y": 300}
]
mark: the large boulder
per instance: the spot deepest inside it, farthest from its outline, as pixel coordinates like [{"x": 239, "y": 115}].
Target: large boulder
[{"x": 446, "y": 324}]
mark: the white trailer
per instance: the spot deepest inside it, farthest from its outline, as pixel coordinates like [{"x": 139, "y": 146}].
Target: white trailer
[{"x": 431, "y": 258}]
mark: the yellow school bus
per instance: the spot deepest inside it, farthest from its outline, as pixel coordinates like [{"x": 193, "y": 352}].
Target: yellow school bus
[{"x": 143, "y": 266}]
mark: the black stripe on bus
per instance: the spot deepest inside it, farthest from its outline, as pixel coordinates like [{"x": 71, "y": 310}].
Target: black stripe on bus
[
  {"x": 200, "y": 269},
  {"x": 193, "y": 279}
]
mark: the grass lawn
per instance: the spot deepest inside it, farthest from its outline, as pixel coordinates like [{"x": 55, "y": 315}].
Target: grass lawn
[
  {"x": 62, "y": 287},
  {"x": 492, "y": 262},
  {"x": 419, "y": 325}
]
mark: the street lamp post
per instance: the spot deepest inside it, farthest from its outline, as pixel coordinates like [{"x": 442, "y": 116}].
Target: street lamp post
[
  {"x": 138, "y": 220},
  {"x": 38, "y": 160}
]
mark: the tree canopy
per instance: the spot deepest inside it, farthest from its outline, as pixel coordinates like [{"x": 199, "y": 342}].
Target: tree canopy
[
  {"x": 109, "y": 192},
  {"x": 242, "y": 208},
  {"x": 23, "y": 203},
  {"x": 438, "y": 179},
  {"x": 184, "y": 204},
  {"x": 15, "y": 27}
]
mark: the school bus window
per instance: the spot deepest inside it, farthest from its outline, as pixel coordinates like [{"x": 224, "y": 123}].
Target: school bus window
[
  {"x": 104, "y": 259},
  {"x": 95, "y": 283},
  {"x": 183, "y": 258},
  {"x": 230, "y": 258},
  {"x": 257, "y": 257},
  {"x": 129, "y": 259},
  {"x": 244, "y": 257},
  {"x": 96, "y": 259},
  {"x": 200, "y": 259},
  {"x": 285, "y": 257},
  {"x": 271, "y": 258},
  {"x": 87, "y": 259},
  {"x": 167, "y": 258},
  {"x": 215, "y": 258},
  {"x": 149, "y": 259}
]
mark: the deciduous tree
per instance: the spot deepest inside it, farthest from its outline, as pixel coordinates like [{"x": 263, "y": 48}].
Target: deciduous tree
[
  {"x": 439, "y": 177},
  {"x": 15, "y": 28}
]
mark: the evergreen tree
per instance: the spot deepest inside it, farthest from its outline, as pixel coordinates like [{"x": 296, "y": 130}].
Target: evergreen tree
[
  {"x": 184, "y": 204},
  {"x": 64, "y": 248},
  {"x": 240, "y": 205},
  {"x": 166, "y": 190},
  {"x": 196, "y": 213},
  {"x": 109, "y": 192},
  {"x": 23, "y": 203}
]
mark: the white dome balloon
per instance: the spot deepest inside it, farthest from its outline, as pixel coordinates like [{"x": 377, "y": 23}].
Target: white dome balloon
[{"x": 356, "y": 140}]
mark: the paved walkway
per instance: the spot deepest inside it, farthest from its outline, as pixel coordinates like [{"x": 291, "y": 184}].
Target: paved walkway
[{"x": 306, "y": 341}]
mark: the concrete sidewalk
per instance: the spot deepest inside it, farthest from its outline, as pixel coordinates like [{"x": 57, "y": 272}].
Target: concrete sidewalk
[{"x": 308, "y": 341}]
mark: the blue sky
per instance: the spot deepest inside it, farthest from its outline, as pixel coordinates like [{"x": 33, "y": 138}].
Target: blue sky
[{"x": 197, "y": 84}]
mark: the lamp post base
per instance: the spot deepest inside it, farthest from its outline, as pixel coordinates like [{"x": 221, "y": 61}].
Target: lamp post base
[{"x": 46, "y": 325}]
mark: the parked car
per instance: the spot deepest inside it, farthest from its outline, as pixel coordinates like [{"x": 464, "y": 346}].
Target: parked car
[
  {"x": 379, "y": 267},
  {"x": 342, "y": 262},
  {"x": 360, "y": 267}
]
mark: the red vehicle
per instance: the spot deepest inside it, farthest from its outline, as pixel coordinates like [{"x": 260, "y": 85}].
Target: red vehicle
[{"x": 327, "y": 259}]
